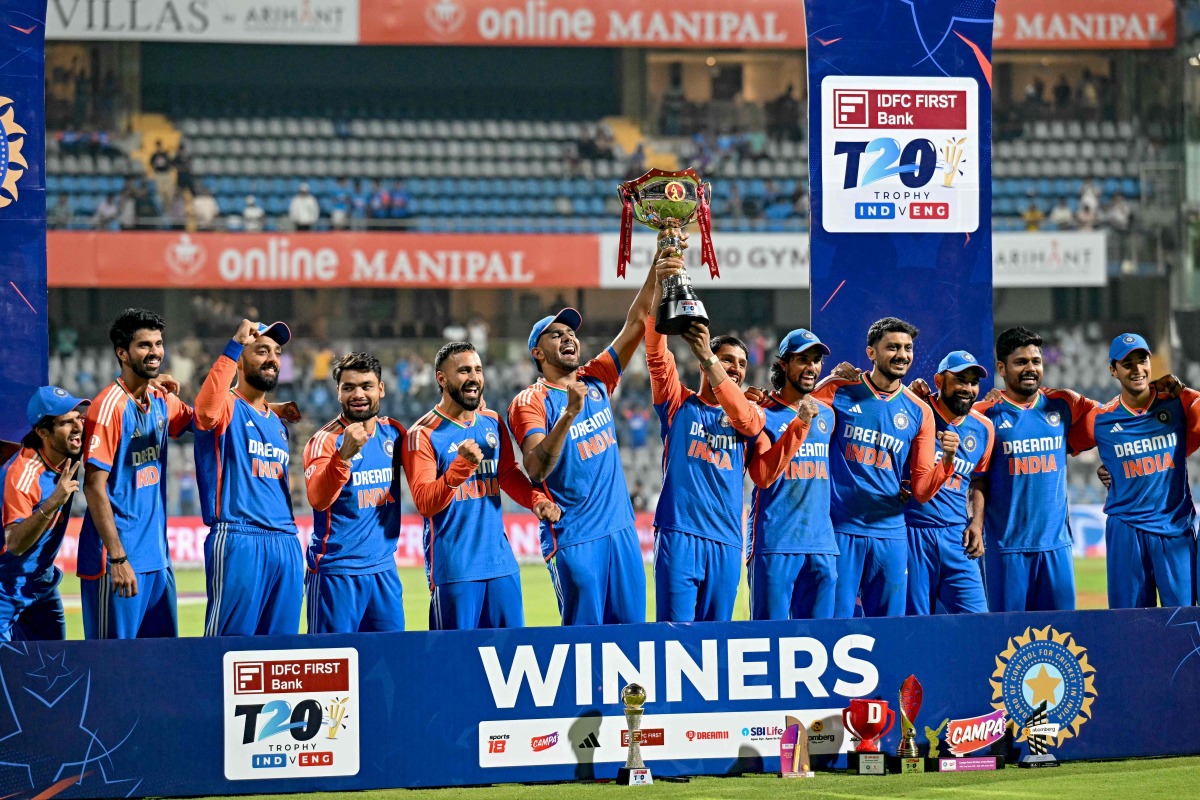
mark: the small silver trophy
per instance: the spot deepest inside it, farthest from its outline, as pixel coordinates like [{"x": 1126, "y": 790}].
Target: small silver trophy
[{"x": 634, "y": 773}]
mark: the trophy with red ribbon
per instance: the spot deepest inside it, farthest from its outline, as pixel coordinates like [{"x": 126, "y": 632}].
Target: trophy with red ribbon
[
  {"x": 869, "y": 720},
  {"x": 908, "y": 756},
  {"x": 668, "y": 201}
]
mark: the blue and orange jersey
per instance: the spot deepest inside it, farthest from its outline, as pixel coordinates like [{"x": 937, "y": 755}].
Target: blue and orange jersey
[
  {"x": 789, "y": 512},
  {"x": 128, "y": 440},
  {"x": 356, "y": 520},
  {"x": 1145, "y": 450},
  {"x": 587, "y": 481},
  {"x": 876, "y": 438},
  {"x": 705, "y": 450},
  {"x": 241, "y": 454},
  {"x": 1027, "y": 480},
  {"x": 948, "y": 508},
  {"x": 464, "y": 534},
  {"x": 27, "y": 480}
]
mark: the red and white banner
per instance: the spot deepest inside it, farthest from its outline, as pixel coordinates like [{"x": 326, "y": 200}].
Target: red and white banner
[
  {"x": 312, "y": 260},
  {"x": 592, "y": 23},
  {"x": 185, "y": 536},
  {"x": 1084, "y": 25}
]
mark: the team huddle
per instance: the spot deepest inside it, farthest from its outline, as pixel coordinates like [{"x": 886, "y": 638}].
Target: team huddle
[{"x": 870, "y": 497}]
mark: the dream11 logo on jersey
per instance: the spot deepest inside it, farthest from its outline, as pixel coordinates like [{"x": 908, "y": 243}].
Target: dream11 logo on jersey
[{"x": 900, "y": 154}]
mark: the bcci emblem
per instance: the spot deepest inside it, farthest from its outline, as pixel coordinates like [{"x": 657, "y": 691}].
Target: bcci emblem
[
  {"x": 808, "y": 336},
  {"x": 1053, "y": 418},
  {"x": 821, "y": 426},
  {"x": 490, "y": 439},
  {"x": 389, "y": 448},
  {"x": 1163, "y": 416},
  {"x": 594, "y": 393},
  {"x": 723, "y": 421},
  {"x": 901, "y": 420},
  {"x": 12, "y": 162},
  {"x": 969, "y": 444},
  {"x": 60, "y": 392},
  {"x": 1044, "y": 666},
  {"x": 1127, "y": 339}
]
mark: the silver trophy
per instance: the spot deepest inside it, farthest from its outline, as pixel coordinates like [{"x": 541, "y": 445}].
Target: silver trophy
[{"x": 634, "y": 773}]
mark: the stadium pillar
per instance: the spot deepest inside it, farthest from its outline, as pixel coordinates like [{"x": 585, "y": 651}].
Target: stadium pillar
[
  {"x": 24, "y": 345},
  {"x": 900, "y": 171}
]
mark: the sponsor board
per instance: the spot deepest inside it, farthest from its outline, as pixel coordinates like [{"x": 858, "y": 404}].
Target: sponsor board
[
  {"x": 748, "y": 261},
  {"x": 270, "y": 22},
  {"x": 669, "y": 737},
  {"x": 1084, "y": 25},
  {"x": 291, "y": 713},
  {"x": 1044, "y": 259},
  {"x": 900, "y": 155}
]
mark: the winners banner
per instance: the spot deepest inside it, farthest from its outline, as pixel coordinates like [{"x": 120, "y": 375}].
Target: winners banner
[
  {"x": 900, "y": 164},
  {"x": 23, "y": 348},
  {"x": 346, "y": 712}
]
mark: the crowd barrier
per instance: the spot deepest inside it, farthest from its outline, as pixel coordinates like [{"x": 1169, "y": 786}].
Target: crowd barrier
[{"x": 345, "y": 712}]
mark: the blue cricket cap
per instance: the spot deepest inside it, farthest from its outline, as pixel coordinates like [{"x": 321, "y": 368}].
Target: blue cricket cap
[
  {"x": 568, "y": 316},
  {"x": 50, "y": 401},
  {"x": 1125, "y": 344},
  {"x": 798, "y": 341},
  {"x": 958, "y": 360},
  {"x": 278, "y": 331}
]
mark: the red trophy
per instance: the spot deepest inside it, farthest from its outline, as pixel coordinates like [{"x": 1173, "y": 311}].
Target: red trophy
[
  {"x": 869, "y": 720},
  {"x": 908, "y": 757}
]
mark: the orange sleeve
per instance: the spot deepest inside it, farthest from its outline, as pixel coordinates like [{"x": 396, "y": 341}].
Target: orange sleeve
[
  {"x": 926, "y": 477},
  {"x": 527, "y": 414},
  {"x": 1191, "y": 412},
  {"x": 985, "y": 461},
  {"x": 430, "y": 493},
  {"x": 179, "y": 415},
  {"x": 1080, "y": 408},
  {"x": 770, "y": 461},
  {"x": 665, "y": 386},
  {"x": 325, "y": 472},
  {"x": 512, "y": 480},
  {"x": 826, "y": 389},
  {"x": 18, "y": 504},
  {"x": 605, "y": 367},
  {"x": 214, "y": 405},
  {"x": 747, "y": 418},
  {"x": 1082, "y": 435},
  {"x": 102, "y": 430}
]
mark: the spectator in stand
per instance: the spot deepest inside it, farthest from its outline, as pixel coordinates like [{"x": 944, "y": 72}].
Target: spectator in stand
[
  {"x": 339, "y": 213},
  {"x": 401, "y": 204},
  {"x": 184, "y": 178},
  {"x": 1086, "y": 218},
  {"x": 636, "y": 166},
  {"x": 161, "y": 167},
  {"x": 1062, "y": 95},
  {"x": 105, "y": 218},
  {"x": 205, "y": 209},
  {"x": 253, "y": 216},
  {"x": 127, "y": 207},
  {"x": 1118, "y": 216},
  {"x": 304, "y": 211},
  {"x": 1089, "y": 195},
  {"x": 60, "y": 216},
  {"x": 477, "y": 334},
  {"x": 1061, "y": 216},
  {"x": 380, "y": 202},
  {"x": 1089, "y": 96},
  {"x": 1032, "y": 216}
]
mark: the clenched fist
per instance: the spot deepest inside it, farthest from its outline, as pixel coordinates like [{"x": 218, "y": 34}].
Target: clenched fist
[
  {"x": 576, "y": 393},
  {"x": 247, "y": 332},
  {"x": 949, "y": 442},
  {"x": 547, "y": 511},
  {"x": 353, "y": 439},
  {"x": 470, "y": 451},
  {"x": 807, "y": 409}
]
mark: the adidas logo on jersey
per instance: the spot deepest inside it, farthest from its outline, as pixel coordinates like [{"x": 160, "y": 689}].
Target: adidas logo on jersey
[
  {"x": 1005, "y": 424},
  {"x": 249, "y": 423},
  {"x": 453, "y": 447},
  {"x": 856, "y": 409},
  {"x": 590, "y": 742},
  {"x": 1116, "y": 428}
]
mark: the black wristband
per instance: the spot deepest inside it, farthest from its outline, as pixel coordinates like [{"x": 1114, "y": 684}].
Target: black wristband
[{"x": 121, "y": 560}]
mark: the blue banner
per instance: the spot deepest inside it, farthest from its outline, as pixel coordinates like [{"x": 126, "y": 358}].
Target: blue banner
[
  {"x": 303, "y": 713},
  {"x": 900, "y": 170},
  {"x": 23, "y": 348}
]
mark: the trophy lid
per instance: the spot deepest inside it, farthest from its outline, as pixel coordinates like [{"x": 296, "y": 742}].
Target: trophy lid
[{"x": 660, "y": 195}]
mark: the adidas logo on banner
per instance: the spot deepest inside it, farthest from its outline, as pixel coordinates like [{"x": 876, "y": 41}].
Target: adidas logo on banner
[
  {"x": 590, "y": 742},
  {"x": 1116, "y": 428},
  {"x": 856, "y": 409},
  {"x": 1005, "y": 424}
]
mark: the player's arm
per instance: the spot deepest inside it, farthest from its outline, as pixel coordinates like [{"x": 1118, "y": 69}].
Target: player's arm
[
  {"x": 666, "y": 390},
  {"x": 517, "y": 486},
  {"x": 745, "y": 417},
  {"x": 327, "y": 467},
  {"x": 1080, "y": 436},
  {"x": 432, "y": 493},
  {"x": 1190, "y": 398},
  {"x": 103, "y": 437},
  {"x": 179, "y": 416},
  {"x": 26, "y": 516},
  {"x": 648, "y": 297},
  {"x": 826, "y": 389},
  {"x": 214, "y": 406},
  {"x": 540, "y": 450},
  {"x": 927, "y": 475},
  {"x": 770, "y": 460},
  {"x": 973, "y": 535}
]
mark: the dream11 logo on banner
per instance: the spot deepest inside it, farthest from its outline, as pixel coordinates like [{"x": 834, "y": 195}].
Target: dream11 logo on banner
[{"x": 899, "y": 155}]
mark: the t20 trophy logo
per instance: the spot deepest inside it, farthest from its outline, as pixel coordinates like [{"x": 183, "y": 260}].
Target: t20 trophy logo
[
  {"x": 869, "y": 720},
  {"x": 634, "y": 773},
  {"x": 794, "y": 758},
  {"x": 668, "y": 201}
]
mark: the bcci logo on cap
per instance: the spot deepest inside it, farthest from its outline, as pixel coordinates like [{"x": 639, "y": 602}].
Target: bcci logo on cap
[
  {"x": 1044, "y": 665},
  {"x": 12, "y": 161},
  {"x": 1127, "y": 339}
]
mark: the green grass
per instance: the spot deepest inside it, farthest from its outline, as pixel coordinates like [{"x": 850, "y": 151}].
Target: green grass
[
  {"x": 540, "y": 607},
  {"x": 1109, "y": 780}
]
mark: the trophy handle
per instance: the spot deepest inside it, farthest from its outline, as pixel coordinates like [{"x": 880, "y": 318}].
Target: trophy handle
[
  {"x": 846, "y": 723},
  {"x": 891, "y": 720}
]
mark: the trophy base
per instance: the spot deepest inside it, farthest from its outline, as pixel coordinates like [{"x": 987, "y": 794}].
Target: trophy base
[
  {"x": 1042, "y": 760},
  {"x": 965, "y": 764},
  {"x": 634, "y": 777},
  {"x": 866, "y": 763},
  {"x": 676, "y": 316},
  {"x": 905, "y": 765}
]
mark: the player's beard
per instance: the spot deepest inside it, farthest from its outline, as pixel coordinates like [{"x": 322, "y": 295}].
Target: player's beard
[
  {"x": 887, "y": 371},
  {"x": 142, "y": 371},
  {"x": 469, "y": 403},
  {"x": 261, "y": 382},
  {"x": 372, "y": 410},
  {"x": 958, "y": 404}
]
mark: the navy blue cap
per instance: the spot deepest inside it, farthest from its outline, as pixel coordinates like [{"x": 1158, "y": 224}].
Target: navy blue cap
[
  {"x": 959, "y": 360},
  {"x": 1125, "y": 344},
  {"x": 568, "y": 316},
  {"x": 50, "y": 401},
  {"x": 798, "y": 341},
  {"x": 278, "y": 331}
]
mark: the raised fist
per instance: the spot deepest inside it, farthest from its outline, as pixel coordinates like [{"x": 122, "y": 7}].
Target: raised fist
[
  {"x": 807, "y": 409},
  {"x": 576, "y": 394},
  {"x": 949, "y": 442},
  {"x": 353, "y": 439},
  {"x": 470, "y": 451}
]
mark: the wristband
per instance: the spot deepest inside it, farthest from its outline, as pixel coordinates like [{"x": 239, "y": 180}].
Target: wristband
[
  {"x": 709, "y": 362},
  {"x": 50, "y": 517},
  {"x": 115, "y": 561}
]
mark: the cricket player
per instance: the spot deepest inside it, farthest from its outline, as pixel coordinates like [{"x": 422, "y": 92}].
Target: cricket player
[
  {"x": 882, "y": 428},
  {"x": 945, "y": 534},
  {"x": 457, "y": 459},
  {"x": 127, "y": 585},
  {"x": 252, "y": 557},
  {"x": 38, "y": 485},
  {"x": 351, "y": 582}
]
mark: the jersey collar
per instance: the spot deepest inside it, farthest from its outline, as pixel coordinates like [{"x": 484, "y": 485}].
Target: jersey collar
[
  {"x": 550, "y": 385},
  {"x": 144, "y": 406},
  {"x": 262, "y": 412},
  {"x": 887, "y": 398},
  {"x": 778, "y": 399},
  {"x": 1023, "y": 406},
  {"x": 41, "y": 454},
  {"x": 1137, "y": 412},
  {"x": 452, "y": 421}
]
